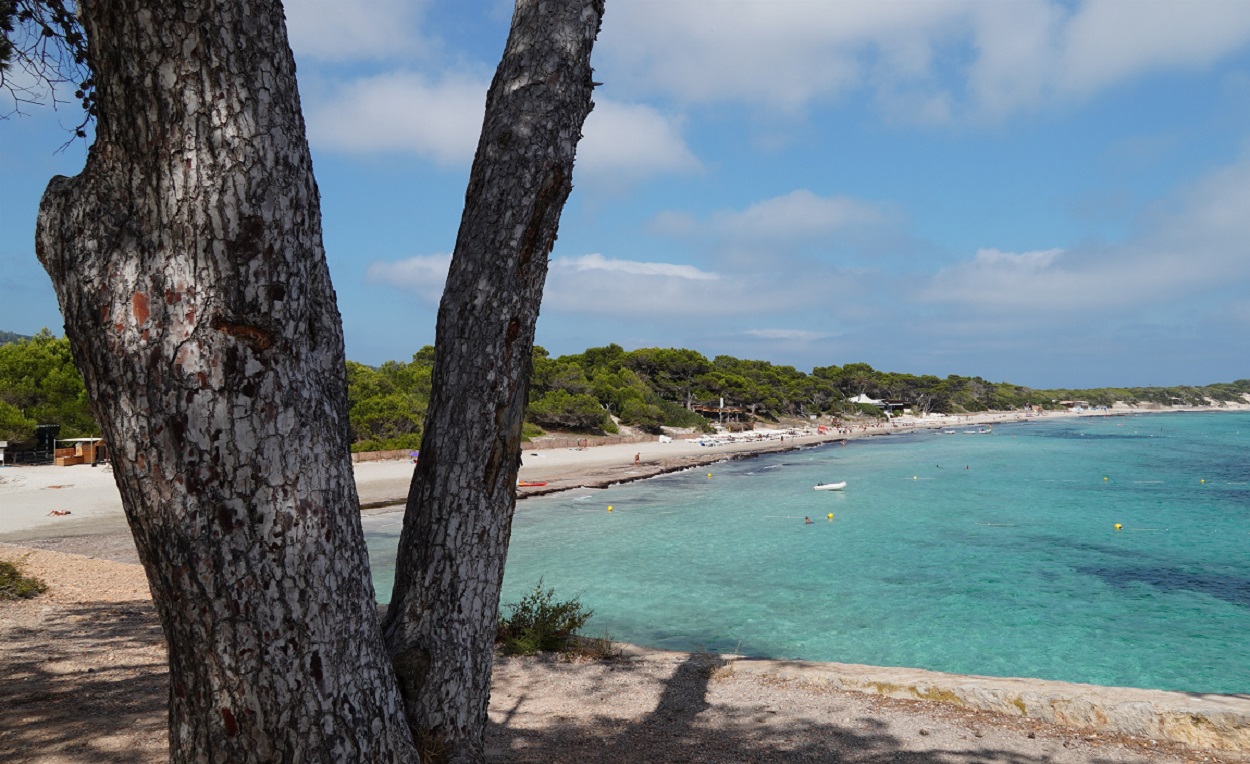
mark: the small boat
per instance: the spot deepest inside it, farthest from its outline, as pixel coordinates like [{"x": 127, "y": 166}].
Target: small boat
[
  {"x": 529, "y": 484},
  {"x": 831, "y": 486}
]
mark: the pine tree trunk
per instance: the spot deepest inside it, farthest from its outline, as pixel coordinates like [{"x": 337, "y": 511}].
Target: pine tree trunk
[
  {"x": 441, "y": 624},
  {"x": 188, "y": 261}
]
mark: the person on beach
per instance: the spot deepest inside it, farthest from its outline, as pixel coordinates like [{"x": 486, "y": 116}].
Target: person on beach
[{"x": 636, "y": 459}]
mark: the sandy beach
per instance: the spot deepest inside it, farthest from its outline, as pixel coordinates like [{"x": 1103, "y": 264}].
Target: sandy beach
[
  {"x": 30, "y": 497},
  {"x": 94, "y": 638}
]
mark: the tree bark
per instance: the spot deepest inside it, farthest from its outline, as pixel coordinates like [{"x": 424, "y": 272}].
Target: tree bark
[
  {"x": 442, "y": 620},
  {"x": 188, "y": 261}
]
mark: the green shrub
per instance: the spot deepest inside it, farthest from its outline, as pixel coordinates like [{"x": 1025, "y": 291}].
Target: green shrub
[
  {"x": 538, "y": 623},
  {"x": 400, "y": 443},
  {"x": 14, "y": 586},
  {"x": 868, "y": 409},
  {"x": 562, "y": 410},
  {"x": 677, "y": 415},
  {"x": 645, "y": 416}
]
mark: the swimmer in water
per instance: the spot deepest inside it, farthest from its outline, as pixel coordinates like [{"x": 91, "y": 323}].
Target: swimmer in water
[{"x": 807, "y": 520}]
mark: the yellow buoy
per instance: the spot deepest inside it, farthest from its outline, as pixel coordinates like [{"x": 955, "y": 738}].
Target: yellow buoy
[
  {"x": 913, "y": 477},
  {"x": 830, "y": 515},
  {"x": 609, "y": 507},
  {"x": 1119, "y": 527},
  {"x": 1203, "y": 481},
  {"x": 709, "y": 474},
  {"x": 1104, "y": 480}
]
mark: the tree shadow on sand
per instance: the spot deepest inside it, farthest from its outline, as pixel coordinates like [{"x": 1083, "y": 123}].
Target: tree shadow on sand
[
  {"x": 88, "y": 683},
  {"x": 688, "y": 725},
  {"x": 82, "y": 683}
]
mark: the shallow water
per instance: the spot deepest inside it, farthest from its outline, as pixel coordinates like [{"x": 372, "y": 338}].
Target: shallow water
[{"x": 989, "y": 554}]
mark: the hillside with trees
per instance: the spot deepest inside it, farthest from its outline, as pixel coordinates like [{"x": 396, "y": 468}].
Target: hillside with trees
[
  {"x": 601, "y": 388},
  {"x": 770, "y": 392},
  {"x": 597, "y": 390}
]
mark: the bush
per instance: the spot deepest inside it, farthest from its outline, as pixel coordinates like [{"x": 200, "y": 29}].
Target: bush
[
  {"x": 561, "y": 410},
  {"x": 540, "y": 624},
  {"x": 529, "y": 431},
  {"x": 400, "y": 443},
  {"x": 677, "y": 415},
  {"x": 645, "y": 416},
  {"x": 14, "y": 586},
  {"x": 867, "y": 409}
]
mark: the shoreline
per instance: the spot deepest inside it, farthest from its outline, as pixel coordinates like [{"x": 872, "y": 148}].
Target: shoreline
[
  {"x": 28, "y": 495},
  {"x": 1201, "y": 722},
  {"x": 614, "y": 466}
]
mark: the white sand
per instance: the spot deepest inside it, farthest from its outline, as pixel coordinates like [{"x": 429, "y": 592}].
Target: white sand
[{"x": 29, "y": 494}]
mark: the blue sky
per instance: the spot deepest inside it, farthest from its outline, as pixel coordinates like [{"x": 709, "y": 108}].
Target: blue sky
[{"x": 1046, "y": 193}]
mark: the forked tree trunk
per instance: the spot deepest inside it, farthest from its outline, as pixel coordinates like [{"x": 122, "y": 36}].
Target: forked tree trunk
[
  {"x": 188, "y": 261},
  {"x": 441, "y": 624}
]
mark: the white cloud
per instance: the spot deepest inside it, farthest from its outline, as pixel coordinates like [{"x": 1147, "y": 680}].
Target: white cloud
[
  {"x": 405, "y": 112},
  {"x": 777, "y": 53},
  {"x": 1189, "y": 242},
  {"x": 1109, "y": 41},
  {"x": 1024, "y": 265},
  {"x": 1007, "y": 279},
  {"x": 923, "y": 61},
  {"x": 338, "y": 30},
  {"x": 799, "y": 215},
  {"x": 423, "y": 275},
  {"x": 597, "y": 262},
  {"x": 631, "y": 142},
  {"x": 928, "y": 62},
  {"x": 590, "y": 284},
  {"x": 593, "y": 285},
  {"x": 596, "y": 285},
  {"x": 441, "y": 120},
  {"x": 1016, "y": 49}
]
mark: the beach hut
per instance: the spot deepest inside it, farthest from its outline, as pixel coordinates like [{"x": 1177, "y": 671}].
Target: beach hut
[
  {"x": 71, "y": 451},
  {"x": 889, "y": 406}
]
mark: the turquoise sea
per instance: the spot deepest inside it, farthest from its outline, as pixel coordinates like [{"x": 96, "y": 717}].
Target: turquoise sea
[{"x": 985, "y": 554}]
